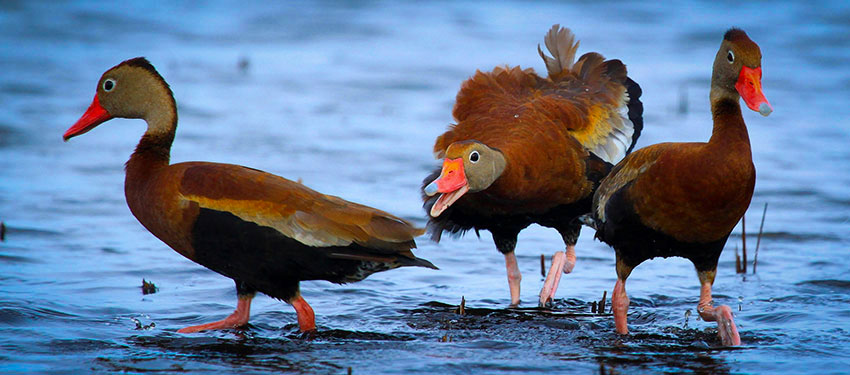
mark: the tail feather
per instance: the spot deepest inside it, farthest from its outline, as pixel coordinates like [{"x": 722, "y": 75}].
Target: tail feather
[
  {"x": 635, "y": 110},
  {"x": 590, "y": 66},
  {"x": 561, "y": 43},
  {"x": 416, "y": 262}
]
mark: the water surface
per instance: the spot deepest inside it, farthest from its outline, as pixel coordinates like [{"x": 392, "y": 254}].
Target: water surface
[{"x": 349, "y": 97}]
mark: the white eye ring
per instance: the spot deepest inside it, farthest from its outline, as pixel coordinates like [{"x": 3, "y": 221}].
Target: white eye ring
[
  {"x": 730, "y": 56},
  {"x": 474, "y": 156},
  {"x": 109, "y": 84}
]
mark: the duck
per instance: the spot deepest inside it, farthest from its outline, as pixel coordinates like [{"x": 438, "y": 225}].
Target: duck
[
  {"x": 265, "y": 232},
  {"x": 527, "y": 149},
  {"x": 684, "y": 199}
]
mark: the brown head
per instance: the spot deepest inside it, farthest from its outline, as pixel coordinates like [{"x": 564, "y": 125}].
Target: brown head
[
  {"x": 470, "y": 166},
  {"x": 131, "y": 89},
  {"x": 737, "y": 71}
]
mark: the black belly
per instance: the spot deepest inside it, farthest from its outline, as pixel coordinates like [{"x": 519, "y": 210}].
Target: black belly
[
  {"x": 634, "y": 242},
  {"x": 270, "y": 262}
]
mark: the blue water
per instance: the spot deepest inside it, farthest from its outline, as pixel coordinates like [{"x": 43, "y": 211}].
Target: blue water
[{"x": 349, "y": 97}]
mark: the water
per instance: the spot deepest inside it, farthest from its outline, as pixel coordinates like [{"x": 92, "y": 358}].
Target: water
[{"x": 349, "y": 97}]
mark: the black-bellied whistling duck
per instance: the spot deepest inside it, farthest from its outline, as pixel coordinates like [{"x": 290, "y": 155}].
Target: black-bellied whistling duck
[
  {"x": 683, "y": 199},
  {"x": 263, "y": 231},
  {"x": 528, "y": 149}
]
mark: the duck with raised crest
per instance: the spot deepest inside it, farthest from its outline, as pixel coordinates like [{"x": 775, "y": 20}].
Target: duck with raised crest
[
  {"x": 529, "y": 149},
  {"x": 263, "y": 231},
  {"x": 684, "y": 199}
]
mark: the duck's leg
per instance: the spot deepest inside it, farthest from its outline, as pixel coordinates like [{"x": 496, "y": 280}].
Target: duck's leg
[
  {"x": 306, "y": 317},
  {"x": 506, "y": 244},
  {"x": 238, "y": 318},
  {"x": 619, "y": 299},
  {"x": 561, "y": 263},
  {"x": 726, "y": 328},
  {"x": 514, "y": 277}
]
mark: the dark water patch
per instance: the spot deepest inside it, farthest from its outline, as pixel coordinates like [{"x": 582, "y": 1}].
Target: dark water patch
[
  {"x": 12, "y": 259},
  {"x": 482, "y": 324},
  {"x": 21, "y": 89},
  {"x": 241, "y": 345},
  {"x": 15, "y": 314},
  {"x": 339, "y": 335},
  {"x": 671, "y": 349},
  {"x": 9, "y": 136},
  {"x": 13, "y": 230},
  {"x": 250, "y": 354},
  {"x": 79, "y": 346},
  {"x": 499, "y": 325},
  {"x": 831, "y": 285},
  {"x": 140, "y": 365}
]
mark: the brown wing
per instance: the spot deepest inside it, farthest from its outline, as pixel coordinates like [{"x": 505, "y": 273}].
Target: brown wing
[
  {"x": 587, "y": 99},
  {"x": 293, "y": 209}
]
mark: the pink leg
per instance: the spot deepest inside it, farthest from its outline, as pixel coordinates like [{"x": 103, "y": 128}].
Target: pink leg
[
  {"x": 726, "y": 328},
  {"x": 237, "y": 319},
  {"x": 514, "y": 277},
  {"x": 560, "y": 262},
  {"x": 571, "y": 259},
  {"x": 620, "y": 304},
  {"x": 553, "y": 278},
  {"x": 306, "y": 317}
]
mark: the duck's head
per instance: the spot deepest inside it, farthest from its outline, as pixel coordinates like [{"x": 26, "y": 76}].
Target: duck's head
[
  {"x": 469, "y": 166},
  {"x": 737, "y": 71},
  {"x": 131, "y": 89}
]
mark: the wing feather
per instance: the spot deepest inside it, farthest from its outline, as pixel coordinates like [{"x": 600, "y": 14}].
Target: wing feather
[{"x": 293, "y": 209}]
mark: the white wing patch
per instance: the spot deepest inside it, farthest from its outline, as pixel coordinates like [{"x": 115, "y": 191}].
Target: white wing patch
[{"x": 619, "y": 138}]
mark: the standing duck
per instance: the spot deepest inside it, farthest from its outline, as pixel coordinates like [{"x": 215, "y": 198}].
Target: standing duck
[
  {"x": 683, "y": 199},
  {"x": 263, "y": 231},
  {"x": 529, "y": 149}
]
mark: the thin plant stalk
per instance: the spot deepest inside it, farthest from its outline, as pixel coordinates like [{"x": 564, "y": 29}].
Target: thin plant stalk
[{"x": 758, "y": 241}]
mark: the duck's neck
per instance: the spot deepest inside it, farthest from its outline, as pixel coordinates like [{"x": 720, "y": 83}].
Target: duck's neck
[
  {"x": 729, "y": 127},
  {"x": 154, "y": 149}
]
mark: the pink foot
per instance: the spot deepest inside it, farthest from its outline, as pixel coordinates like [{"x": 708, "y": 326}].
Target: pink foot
[
  {"x": 239, "y": 318},
  {"x": 553, "y": 278},
  {"x": 726, "y": 328}
]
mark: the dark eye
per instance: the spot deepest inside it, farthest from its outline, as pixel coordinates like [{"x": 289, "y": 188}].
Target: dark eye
[
  {"x": 108, "y": 85},
  {"x": 731, "y": 57},
  {"x": 473, "y": 156}
]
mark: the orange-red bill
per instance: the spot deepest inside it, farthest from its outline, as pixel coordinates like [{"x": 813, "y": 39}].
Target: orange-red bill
[
  {"x": 452, "y": 176},
  {"x": 93, "y": 116},
  {"x": 451, "y": 183},
  {"x": 749, "y": 87}
]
